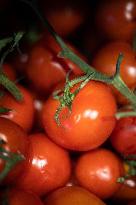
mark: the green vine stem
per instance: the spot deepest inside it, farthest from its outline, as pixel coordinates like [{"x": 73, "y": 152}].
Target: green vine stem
[
  {"x": 93, "y": 74},
  {"x": 4, "y": 80}
]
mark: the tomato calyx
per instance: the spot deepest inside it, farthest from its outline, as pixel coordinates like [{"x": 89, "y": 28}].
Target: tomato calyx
[
  {"x": 10, "y": 158},
  {"x": 66, "y": 97}
]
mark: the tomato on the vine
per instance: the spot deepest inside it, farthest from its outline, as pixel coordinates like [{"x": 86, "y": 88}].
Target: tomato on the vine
[
  {"x": 47, "y": 166},
  {"x": 21, "y": 112},
  {"x": 15, "y": 141},
  {"x": 90, "y": 122},
  {"x": 116, "y": 19},
  {"x": 123, "y": 137},
  {"x": 98, "y": 171}
]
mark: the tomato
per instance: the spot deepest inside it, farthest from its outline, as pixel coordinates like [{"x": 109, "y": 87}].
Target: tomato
[
  {"x": 20, "y": 197},
  {"x": 16, "y": 141},
  {"x": 43, "y": 69},
  {"x": 116, "y": 19},
  {"x": 49, "y": 43},
  {"x": 89, "y": 124},
  {"x": 123, "y": 137},
  {"x": 47, "y": 166},
  {"x": 21, "y": 112},
  {"x": 106, "y": 58},
  {"x": 72, "y": 196},
  {"x": 127, "y": 191},
  {"x": 98, "y": 171},
  {"x": 65, "y": 17}
]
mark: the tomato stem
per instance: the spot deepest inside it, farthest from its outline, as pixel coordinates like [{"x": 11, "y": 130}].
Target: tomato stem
[{"x": 125, "y": 114}]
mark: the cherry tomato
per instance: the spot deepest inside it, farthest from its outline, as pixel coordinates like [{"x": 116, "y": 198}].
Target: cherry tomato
[
  {"x": 106, "y": 58},
  {"x": 20, "y": 197},
  {"x": 89, "y": 124},
  {"x": 98, "y": 171},
  {"x": 72, "y": 196},
  {"x": 47, "y": 166},
  {"x": 43, "y": 69},
  {"x": 65, "y": 17},
  {"x": 16, "y": 141},
  {"x": 127, "y": 191},
  {"x": 21, "y": 112},
  {"x": 49, "y": 43},
  {"x": 123, "y": 137},
  {"x": 116, "y": 19}
]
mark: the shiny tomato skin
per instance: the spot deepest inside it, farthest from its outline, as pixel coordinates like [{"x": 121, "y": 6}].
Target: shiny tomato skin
[
  {"x": 47, "y": 166},
  {"x": 21, "y": 112},
  {"x": 98, "y": 171},
  {"x": 72, "y": 196},
  {"x": 116, "y": 20},
  {"x": 123, "y": 137},
  {"x": 16, "y": 141},
  {"x": 106, "y": 58},
  {"x": 43, "y": 69},
  {"x": 20, "y": 197},
  {"x": 88, "y": 125}
]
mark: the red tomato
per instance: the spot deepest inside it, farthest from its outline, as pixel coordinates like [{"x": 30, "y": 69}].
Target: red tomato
[
  {"x": 123, "y": 137},
  {"x": 20, "y": 197},
  {"x": 65, "y": 16},
  {"x": 43, "y": 69},
  {"x": 98, "y": 171},
  {"x": 127, "y": 191},
  {"x": 16, "y": 141},
  {"x": 53, "y": 46},
  {"x": 21, "y": 112},
  {"x": 90, "y": 122},
  {"x": 106, "y": 58},
  {"x": 116, "y": 19},
  {"x": 47, "y": 166},
  {"x": 72, "y": 196}
]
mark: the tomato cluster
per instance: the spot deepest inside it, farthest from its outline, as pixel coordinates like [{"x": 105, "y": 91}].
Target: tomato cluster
[{"x": 52, "y": 154}]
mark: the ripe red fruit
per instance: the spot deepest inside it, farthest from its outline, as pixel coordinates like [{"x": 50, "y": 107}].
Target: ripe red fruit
[
  {"x": 98, "y": 171},
  {"x": 47, "y": 166}
]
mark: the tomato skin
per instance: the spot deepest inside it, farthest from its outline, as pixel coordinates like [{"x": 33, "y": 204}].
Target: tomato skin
[
  {"x": 20, "y": 197},
  {"x": 123, "y": 137},
  {"x": 72, "y": 196},
  {"x": 43, "y": 70},
  {"x": 127, "y": 191},
  {"x": 106, "y": 58},
  {"x": 90, "y": 122},
  {"x": 98, "y": 171},
  {"x": 21, "y": 112},
  {"x": 116, "y": 19},
  {"x": 47, "y": 164},
  {"x": 65, "y": 17},
  {"x": 16, "y": 142}
]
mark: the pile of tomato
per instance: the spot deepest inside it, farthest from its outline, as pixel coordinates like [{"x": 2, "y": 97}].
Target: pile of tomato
[{"x": 81, "y": 159}]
